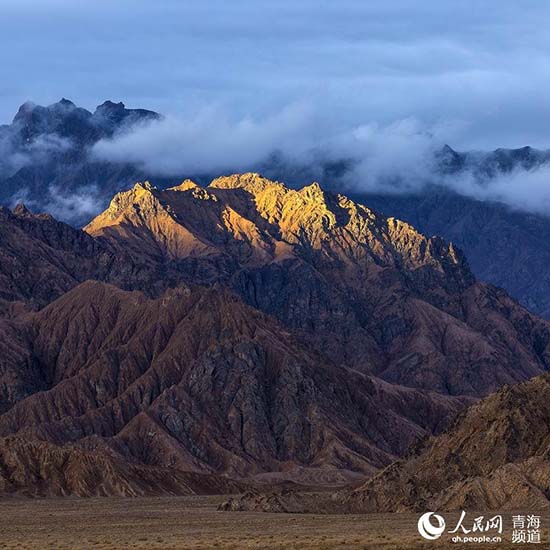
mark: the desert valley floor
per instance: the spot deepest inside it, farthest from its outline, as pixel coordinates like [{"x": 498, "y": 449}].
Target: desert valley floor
[{"x": 170, "y": 523}]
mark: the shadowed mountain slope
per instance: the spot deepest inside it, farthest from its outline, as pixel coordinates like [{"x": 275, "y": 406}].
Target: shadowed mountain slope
[
  {"x": 496, "y": 456},
  {"x": 197, "y": 381},
  {"x": 42, "y": 258}
]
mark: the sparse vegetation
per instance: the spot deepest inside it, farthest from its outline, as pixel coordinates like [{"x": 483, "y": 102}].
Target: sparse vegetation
[{"x": 192, "y": 523}]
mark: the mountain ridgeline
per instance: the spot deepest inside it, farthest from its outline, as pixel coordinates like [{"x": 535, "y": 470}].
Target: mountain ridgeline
[
  {"x": 48, "y": 162},
  {"x": 47, "y": 156},
  {"x": 198, "y": 339}
]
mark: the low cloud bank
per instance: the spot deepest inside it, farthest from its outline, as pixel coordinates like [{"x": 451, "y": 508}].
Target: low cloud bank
[
  {"x": 525, "y": 190},
  {"x": 73, "y": 206},
  {"x": 209, "y": 142},
  {"x": 395, "y": 158},
  {"x": 400, "y": 157},
  {"x": 13, "y": 156}
]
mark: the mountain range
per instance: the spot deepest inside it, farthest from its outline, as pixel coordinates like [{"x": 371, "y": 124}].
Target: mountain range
[
  {"x": 213, "y": 338},
  {"x": 47, "y": 161},
  {"x": 243, "y": 334}
]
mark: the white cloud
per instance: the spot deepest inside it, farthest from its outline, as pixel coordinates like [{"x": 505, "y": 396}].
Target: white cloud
[
  {"x": 527, "y": 190},
  {"x": 209, "y": 142},
  {"x": 72, "y": 207},
  {"x": 39, "y": 150}
]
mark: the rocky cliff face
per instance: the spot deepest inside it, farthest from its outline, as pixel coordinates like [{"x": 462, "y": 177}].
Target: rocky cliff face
[
  {"x": 196, "y": 381},
  {"x": 507, "y": 248},
  {"x": 370, "y": 292},
  {"x": 494, "y": 457}
]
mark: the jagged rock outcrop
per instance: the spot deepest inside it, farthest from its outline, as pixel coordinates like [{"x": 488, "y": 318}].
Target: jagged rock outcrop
[
  {"x": 496, "y": 456},
  {"x": 370, "y": 292},
  {"x": 197, "y": 381},
  {"x": 66, "y": 120},
  {"x": 485, "y": 165},
  {"x": 47, "y": 157}
]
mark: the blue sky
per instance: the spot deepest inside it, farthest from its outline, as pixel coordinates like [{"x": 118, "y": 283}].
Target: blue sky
[{"x": 477, "y": 71}]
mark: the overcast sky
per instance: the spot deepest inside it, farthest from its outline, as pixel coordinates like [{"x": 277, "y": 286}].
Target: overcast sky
[{"x": 480, "y": 69}]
